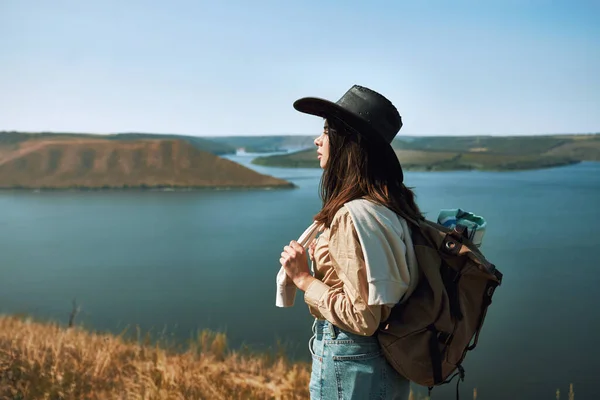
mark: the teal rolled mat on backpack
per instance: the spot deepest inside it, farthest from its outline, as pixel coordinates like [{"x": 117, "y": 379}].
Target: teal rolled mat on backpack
[{"x": 475, "y": 224}]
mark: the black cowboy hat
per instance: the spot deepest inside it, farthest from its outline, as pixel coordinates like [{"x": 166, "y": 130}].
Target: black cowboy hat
[{"x": 363, "y": 109}]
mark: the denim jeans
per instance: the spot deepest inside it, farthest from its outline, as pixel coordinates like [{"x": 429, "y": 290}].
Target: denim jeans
[{"x": 346, "y": 366}]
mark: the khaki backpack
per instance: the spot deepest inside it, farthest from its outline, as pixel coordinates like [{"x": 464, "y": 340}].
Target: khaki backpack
[{"x": 427, "y": 336}]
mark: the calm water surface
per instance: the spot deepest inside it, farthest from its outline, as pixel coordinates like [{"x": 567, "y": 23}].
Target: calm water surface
[{"x": 208, "y": 259}]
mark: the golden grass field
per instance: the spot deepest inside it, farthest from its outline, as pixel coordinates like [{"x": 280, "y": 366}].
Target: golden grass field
[
  {"x": 46, "y": 361},
  {"x": 50, "y": 362}
]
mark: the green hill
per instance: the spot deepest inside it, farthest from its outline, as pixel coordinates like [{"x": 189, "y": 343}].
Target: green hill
[
  {"x": 472, "y": 153},
  {"x": 198, "y": 142},
  {"x": 301, "y": 159},
  {"x": 489, "y": 144},
  {"x": 12, "y": 137}
]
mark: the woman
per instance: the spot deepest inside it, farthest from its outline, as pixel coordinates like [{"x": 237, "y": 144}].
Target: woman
[{"x": 363, "y": 261}]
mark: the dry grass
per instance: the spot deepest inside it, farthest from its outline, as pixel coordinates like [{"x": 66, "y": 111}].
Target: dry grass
[
  {"x": 50, "y": 362},
  {"x": 46, "y": 361}
]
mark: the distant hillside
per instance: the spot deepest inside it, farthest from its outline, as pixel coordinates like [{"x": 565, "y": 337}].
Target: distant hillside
[
  {"x": 265, "y": 144},
  {"x": 581, "y": 147},
  {"x": 514, "y": 145},
  {"x": 204, "y": 144},
  {"x": 87, "y": 163},
  {"x": 198, "y": 142},
  {"x": 472, "y": 153},
  {"x": 301, "y": 159},
  {"x": 419, "y": 160}
]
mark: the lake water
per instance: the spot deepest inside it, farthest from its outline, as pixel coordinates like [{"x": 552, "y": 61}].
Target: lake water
[{"x": 208, "y": 259}]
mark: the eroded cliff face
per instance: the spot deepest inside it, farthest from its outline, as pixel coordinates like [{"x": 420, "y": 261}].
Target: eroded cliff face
[{"x": 57, "y": 163}]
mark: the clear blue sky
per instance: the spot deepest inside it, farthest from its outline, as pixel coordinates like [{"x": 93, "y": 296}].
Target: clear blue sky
[{"x": 235, "y": 67}]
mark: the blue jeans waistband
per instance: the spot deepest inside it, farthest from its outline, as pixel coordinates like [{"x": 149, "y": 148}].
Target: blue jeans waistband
[{"x": 323, "y": 329}]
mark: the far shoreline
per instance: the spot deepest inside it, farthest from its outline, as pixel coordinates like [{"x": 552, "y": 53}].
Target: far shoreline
[
  {"x": 411, "y": 168},
  {"x": 290, "y": 185}
]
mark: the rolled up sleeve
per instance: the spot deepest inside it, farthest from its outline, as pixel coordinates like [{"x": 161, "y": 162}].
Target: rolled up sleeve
[{"x": 315, "y": 292}]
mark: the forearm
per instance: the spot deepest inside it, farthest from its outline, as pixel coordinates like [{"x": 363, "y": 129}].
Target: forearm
[
  {"x": 303, "y": 281},
  {"x": 337, "y": 307}
]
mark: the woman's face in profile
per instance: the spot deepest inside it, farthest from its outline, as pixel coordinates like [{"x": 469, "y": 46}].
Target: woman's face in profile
[{"x": 322, "y": 143}]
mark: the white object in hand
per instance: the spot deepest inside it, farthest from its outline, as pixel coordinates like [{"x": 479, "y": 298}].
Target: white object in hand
[{"x": 286, "y": 290}]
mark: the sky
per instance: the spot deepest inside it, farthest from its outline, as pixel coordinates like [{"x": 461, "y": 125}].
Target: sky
[{"x": 218, "y": 68}]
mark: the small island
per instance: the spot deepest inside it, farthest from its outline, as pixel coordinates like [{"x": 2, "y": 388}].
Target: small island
[
  {"x": 93, "y": 162},
  {"x": 485, "y": 153}
]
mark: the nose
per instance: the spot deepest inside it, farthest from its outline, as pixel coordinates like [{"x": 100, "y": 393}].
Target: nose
[{"x": 318, "y": 141}]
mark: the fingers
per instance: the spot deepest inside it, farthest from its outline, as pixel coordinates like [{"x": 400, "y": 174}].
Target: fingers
[
  {"x": 291, "y": 252},
  {"x": 296, "y": 246},
  {"x": 293, "y": 249},
  {"x": 285, "y": 257}
]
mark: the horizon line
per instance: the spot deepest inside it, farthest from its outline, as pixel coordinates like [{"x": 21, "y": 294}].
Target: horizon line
[{"x": 294, "y": 134}]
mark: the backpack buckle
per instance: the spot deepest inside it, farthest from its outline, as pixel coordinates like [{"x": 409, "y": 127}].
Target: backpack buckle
[
  {"x": 445, "y": 338},
  {"x": 460, "y": 231},
  {"x": 461, "y": 372},
  {"x": 451, "y": 245}
]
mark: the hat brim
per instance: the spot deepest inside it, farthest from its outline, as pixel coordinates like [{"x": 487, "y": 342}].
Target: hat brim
[
  {"x": 319, "y": 107},
  {"x": 328, "y": 109}
]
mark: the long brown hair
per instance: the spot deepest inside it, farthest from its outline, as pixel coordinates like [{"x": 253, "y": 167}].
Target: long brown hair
[{"x": 359, "y": 166}]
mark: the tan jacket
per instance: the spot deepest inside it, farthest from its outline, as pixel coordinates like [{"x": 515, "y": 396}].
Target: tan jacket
[{"x": 340, "y": 292}]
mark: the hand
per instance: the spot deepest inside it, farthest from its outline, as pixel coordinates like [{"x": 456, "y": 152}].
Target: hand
[{"x": 295, "y": 262}]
